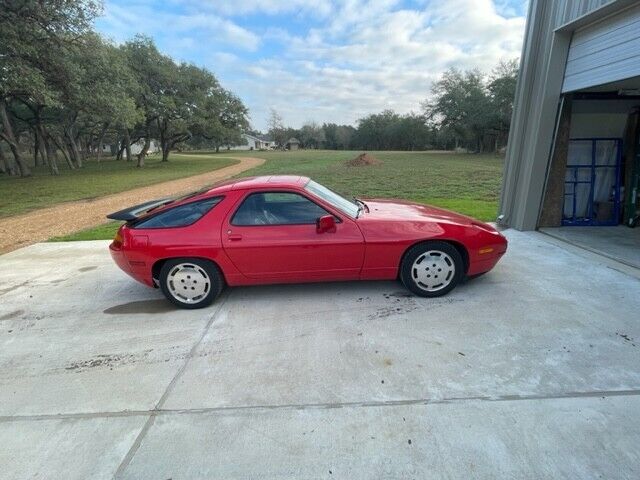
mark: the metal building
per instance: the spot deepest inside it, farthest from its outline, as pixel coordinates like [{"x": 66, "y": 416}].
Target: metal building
[{"x": 573, "y": 157}]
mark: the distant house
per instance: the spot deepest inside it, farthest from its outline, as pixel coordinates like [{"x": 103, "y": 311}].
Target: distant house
[
  {"x": 136, "y": 148},
  {"x": 293, "y": 144},
  {"x": 253, "y": 142}
]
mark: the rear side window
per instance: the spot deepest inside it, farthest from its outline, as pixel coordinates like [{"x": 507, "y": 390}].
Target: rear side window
[{"x": 180, "y": 216}]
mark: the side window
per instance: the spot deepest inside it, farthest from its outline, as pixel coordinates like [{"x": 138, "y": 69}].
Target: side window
[
  {"x": 277, "y": 208},
  {"x": 180, "y": 216}
]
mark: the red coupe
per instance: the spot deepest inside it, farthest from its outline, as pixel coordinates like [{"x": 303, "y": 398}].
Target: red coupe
[{"x": 284, "y": 229}]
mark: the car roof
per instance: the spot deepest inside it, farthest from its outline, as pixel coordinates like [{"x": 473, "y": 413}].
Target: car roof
[{"x": 267, "y": 181}]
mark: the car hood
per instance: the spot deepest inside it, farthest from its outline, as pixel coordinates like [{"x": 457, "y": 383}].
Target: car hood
[{"x": 402, "y": 210}]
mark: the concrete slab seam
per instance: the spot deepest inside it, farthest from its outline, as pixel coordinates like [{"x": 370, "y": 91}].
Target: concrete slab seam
[
  {"x": 319, "y": 406},
  {"x": 152, "y": 414}
]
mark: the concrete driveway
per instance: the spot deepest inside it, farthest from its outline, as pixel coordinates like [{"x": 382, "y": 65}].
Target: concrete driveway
[{"x": 532, "y": 371}]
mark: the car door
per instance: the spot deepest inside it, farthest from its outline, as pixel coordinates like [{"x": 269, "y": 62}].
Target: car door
[{"x": 272, "y": 235}]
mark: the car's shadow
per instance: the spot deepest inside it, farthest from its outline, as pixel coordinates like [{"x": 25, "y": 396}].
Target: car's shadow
[{"x": 316, "y": 292}]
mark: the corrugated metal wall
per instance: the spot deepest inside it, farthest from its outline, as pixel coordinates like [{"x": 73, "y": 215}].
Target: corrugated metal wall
[
  {"x": 543, "y": 61},
  {"x": 572, "y": 9},
  {"x": 604, "y": 52}
]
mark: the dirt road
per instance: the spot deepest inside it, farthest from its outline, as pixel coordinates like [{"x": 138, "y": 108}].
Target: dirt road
[{"x": 69, "y": 217}]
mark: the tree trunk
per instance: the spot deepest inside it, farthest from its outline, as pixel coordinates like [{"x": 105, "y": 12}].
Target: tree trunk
[
  {"x": 88, "y": 146},
  {"x": 6, "y": 164},
  {"x": 120, "y": 150},
  {"x": 85, "y": 147},
  {"x": 10, "y": 138},
  {"x": 165, "y": 151},
  {"x": 76, "y": 154},
  {"x": 145, "y": 147},
  {"x": 164, "y": 142},
  {"x": 59, "y": 143},
  {"x": 103, "y": 131},
  {"x": 44, "y": 154},
  {"x": 73, "y": 154},
  {"x": 37, "y": 154},
  {"x": 141, "y": 155},
  {"x": 127, "y": 144},
  {"x": 69, "y": 140},
  {"x": 3, "y": 163},
  {"x": 52, "y": 155}
]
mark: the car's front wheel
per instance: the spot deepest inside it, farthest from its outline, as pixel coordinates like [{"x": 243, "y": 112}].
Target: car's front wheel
[
  {"x": 190, "y": 282},
  {"x": 432, "y": 269}
]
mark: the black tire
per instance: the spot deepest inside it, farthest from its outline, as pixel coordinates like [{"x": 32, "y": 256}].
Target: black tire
[
  {"x": 198, "y": 266},
  {"x": 453, "y": 277}
]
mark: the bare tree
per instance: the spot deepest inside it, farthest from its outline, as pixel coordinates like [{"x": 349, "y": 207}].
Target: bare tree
[{"x": 276, "y": 127}]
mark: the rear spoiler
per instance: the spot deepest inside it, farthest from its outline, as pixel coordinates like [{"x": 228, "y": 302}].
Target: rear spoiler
[{"x": 132, "y": 213}]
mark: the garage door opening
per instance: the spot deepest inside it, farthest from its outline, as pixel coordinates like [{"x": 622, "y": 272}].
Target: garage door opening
[{"x": 592, "y": 191}]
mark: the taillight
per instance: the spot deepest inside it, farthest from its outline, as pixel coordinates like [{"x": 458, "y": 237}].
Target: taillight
[{"x": 117, "y": 240}]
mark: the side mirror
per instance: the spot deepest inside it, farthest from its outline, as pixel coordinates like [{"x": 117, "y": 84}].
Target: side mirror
[{"x": 326, "y": 224}]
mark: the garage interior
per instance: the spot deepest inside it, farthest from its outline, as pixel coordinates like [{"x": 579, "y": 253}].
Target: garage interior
[
  {"x": 592, "y": 190},
  {"x": 591, "y": 195}
]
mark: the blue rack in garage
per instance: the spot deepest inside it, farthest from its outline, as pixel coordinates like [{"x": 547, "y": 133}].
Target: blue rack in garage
[{"x": 592, "y": 182}]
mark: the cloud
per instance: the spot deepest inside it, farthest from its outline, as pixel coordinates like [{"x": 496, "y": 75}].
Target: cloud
[
  {"x": 122, "y": 21},
  {"x": 329, "y": 61},
  {"x": 269, "y": 7},
  {"x": 377, "y": 55}
]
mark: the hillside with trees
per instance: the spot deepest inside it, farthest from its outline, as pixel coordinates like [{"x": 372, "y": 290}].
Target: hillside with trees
[{"x": 65, "y": 91}]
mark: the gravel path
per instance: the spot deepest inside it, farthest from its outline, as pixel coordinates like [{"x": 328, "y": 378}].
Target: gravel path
[{"x": 69, "y": 217}]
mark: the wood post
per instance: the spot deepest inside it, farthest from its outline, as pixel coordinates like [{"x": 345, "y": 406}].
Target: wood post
[{"x": 553, "y": 196}]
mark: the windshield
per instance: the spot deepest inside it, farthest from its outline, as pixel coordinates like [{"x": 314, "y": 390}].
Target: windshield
[{"x": 329, "y": 196}]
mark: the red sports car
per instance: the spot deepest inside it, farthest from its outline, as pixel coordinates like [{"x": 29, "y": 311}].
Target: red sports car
[{"x": 285, "y": 229}]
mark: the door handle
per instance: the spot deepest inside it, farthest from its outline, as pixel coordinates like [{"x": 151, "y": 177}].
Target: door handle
[{"x": 234, "y": 237}]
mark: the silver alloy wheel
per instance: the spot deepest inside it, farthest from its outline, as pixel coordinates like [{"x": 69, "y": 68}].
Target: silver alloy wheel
[
  {"x": 188, "y": 283},
  {"x": 433, "y": 270}
]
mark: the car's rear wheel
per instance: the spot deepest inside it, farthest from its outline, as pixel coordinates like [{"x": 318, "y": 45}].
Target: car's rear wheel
[
  {"x": 190, "y": 282},
  {"x": 432, "y": 269}
]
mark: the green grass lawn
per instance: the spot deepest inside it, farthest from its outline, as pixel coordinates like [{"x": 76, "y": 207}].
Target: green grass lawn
[
  {"x": 19, "y": 195},
  {"x": 101, "y": 232},
  {"x": 465, "y": 183}
]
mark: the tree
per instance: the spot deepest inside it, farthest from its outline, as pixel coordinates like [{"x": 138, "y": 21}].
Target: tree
[
  {"x": 180, "y": 101},
  {"x": 344, "y": 136},
  {"x": 94, "y": 99},
  {"x": 410, "y": 132},
  {"x": 330, "y": 136},
  {"x": 34, "y": 36},
  {"x": 460, "y": 103},
  {"x": 156, "y": 74},
  {"x": 65, "y": 90},
  {"x": 467, "y": 107},
  {"x": 502, "y": 90},
  {"x": 338, "y": 137},
  {"x": 224, "y": 118},
  {"x": 311, "y": 135},
  {"x": 276, "y": 128}
]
